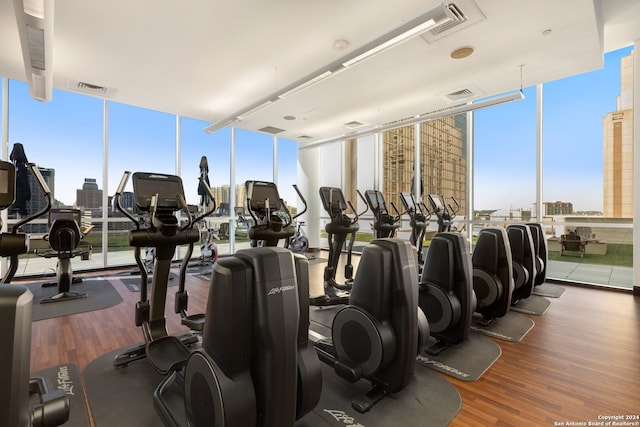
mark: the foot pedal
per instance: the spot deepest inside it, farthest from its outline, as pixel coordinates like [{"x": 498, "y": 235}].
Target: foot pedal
[{"x": 366, "y": 402}]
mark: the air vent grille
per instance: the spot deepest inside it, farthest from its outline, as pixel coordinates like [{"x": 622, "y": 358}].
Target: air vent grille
[
  {"x": 36, "y": 47},
  {"x": 90, "y": 88},
  {"x": 465, "y": 14},
  {"x": 95, "y": 89},
  {"x": 271, "y": 129},
  {"x": 460, "y": 94},
  {"x": 354, "y": 124},
  {"x": 460, "y": 17}
]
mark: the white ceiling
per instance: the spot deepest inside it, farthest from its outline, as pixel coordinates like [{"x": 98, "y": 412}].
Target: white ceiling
[{"x": 210, "y": 59}]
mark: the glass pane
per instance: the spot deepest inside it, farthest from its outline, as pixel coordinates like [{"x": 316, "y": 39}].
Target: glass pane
[
  {"x": 287, "y": 174},
  {"x": 588, "y": 173},
  {"x": 216, "y": 148},
  {"x": 254, "y": 161},
  {"x": 64, "y": 139},
  {"x": 140, "y": 140},
  {"x": 505, "y": 160}
]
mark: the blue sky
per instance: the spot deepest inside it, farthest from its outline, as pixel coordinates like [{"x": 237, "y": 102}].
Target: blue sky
[
  {"x": 66, "y": 134},
  {"x": 505, "y": 139}
]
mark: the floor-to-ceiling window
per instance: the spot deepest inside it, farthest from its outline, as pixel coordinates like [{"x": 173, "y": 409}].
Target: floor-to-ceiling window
[
  {"x": 505, "y": 162},
  {"x": 287, "y": 174},
  {"x": 588, "y": 173},
  {"x": 254, "y": 161},
  {"x": 196, "y": 144},
  {"x": 64, "y": 139},
  {"x": 140, "y": 140}
]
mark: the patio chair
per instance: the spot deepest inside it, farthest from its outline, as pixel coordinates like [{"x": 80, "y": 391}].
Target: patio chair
[{"x": 572, "y": 243}]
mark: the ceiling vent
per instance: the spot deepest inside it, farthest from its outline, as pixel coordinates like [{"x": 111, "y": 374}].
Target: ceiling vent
[
  {"x": 271, "y": 129},
  {"x": 466, "y": 13},
  {"x": 460, "y": 18},
  {"x": 354, "y": 124},
  {"x": 460, "y": 95},
  {"x": 90, "y": 89},
  {"x": 467, "y": 92}
]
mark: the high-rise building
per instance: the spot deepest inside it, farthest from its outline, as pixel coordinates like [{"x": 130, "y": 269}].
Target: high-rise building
[
  {"x": 557, "y": 208},
  {"x": 38, "y": 201},
  {"x": 443, "y": 159},
  {"x": 618, "y": 149},
  {"x": 89, "y": 198}
]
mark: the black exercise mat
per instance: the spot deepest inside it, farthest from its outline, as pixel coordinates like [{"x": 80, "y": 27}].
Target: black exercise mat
[
  {"x": 535, "y": 305},
  {"x": 67, "y": 377},
  {"x": 511, "y": 327},
  {"x": 317, "y": 260},
  {"x": 549, "y": 290},
  {"x": 133, "y": 282},
  {"x": 123, "y": 397},
  {"x": 324, "y": 315},
  {"x": 100, "y": 294},
  {"x": 198, "y": 269},
  {"x": 429, "y": 400},
  {"x": 466, "y": 361}
]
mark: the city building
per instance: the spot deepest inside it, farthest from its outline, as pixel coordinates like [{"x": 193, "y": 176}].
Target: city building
[
  {"x": 38, "y": 200},
  {"x": 89, "y": 198},
  {"x": 557, "y": 208},
  {"x": 617, "y": 142},
  {"x": 443, "y": 160}
]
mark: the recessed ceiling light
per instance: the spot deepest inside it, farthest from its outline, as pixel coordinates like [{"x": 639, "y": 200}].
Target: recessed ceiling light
[
  {"x": 289, "y": 117},
  {"x": 547, "y": 32},
  {"x": 462, "y": 52},
  {"x": 340, "y": 44}
]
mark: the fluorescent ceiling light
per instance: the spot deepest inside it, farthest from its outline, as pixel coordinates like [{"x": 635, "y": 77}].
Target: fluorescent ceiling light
[
  {"x": 439, "y": 15},
  {"x": 416, "y": 31},
  {"x": 254, "y": 109},
  {"x": 306, "y": 84},
  {"x": 219, "y": 125},
  {"x": 434, "y": 115}
]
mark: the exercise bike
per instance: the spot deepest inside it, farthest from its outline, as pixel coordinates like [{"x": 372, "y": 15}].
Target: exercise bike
[
  {"x": 64, "y": 238},
  {"x": 16, "y": 301},
  {"x": 299, "y": 243},
  {"x": 337, "y": 229}
]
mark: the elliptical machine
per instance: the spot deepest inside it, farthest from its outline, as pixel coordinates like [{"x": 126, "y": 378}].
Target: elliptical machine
[
  {"x": 385, "y": 224},
  {"x": 256, "y": 366},
  {"x": 492, "y": 274},
  {"x": 540, "y": 249},
  {"x": 337, "y": 230},
  {"x": 445, "y": 212},
  {"x": 524, "y": 263},
  {"x": 379, "y": 334},
  {"x": 271, "y": 218},
  {"x": 446, "y": 290},
  {"x": 16, "y": 302},
  {"x": 419, "y": 217},
  {"x": 446, "y": 284}
]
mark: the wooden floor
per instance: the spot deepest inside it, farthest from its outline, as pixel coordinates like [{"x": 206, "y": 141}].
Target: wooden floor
[{"x": 581, "y": 360}]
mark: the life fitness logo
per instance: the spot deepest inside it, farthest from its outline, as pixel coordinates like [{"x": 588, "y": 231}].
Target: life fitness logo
[
  {"x": 280, "y": 289},
  {"x": 343, "y": 417}
]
